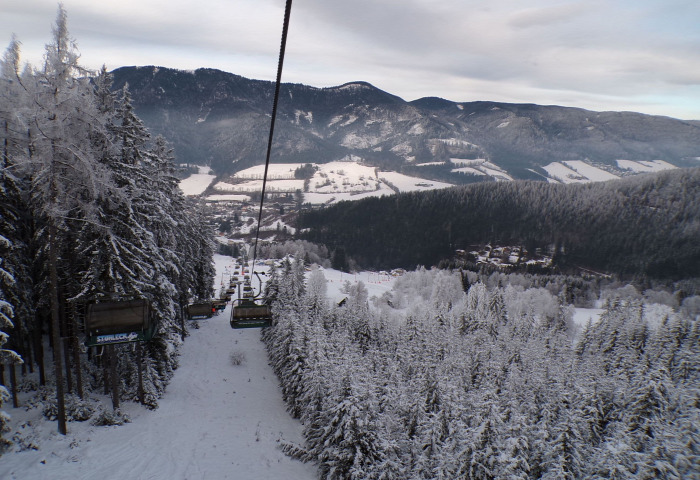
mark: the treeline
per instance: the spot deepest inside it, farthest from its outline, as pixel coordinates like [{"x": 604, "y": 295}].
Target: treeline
[
  {"x": 646, "y": 225},
  {"x": 484, "y": 384},
  {"x": 90, "y": 211}
]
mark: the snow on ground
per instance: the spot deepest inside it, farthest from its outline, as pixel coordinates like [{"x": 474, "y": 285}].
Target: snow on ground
[
  {"x": 216, "y": 421},
  {"x": 469, "y": 170},
  {"x": 353, "y": 140},
  {"x": 196, "y": 183},
  {"x": 657, "y": 165},
  {"x": 583, "y": 315},
  {"x": 228, "y": 198},
  {"x": 468, "y": 162},
  {"x": 332, "y": 182},
  {"x": 495, "y": 171},
  {"x": 250, "y": 186},
  {"x": 416, "y": 129},
  {"x": 275, "y": 171},
  {"x": 429, "y": 164},
  {"x": 331, "y": 198},
  {"x": 336, "y": 177},
  {"x": 644, "y": 166},
  {"x": 376, "y": 283},
  {"x": 480, "y": 166},
  {"x": 410, "y": 184},
  {"x": 564, "y": 174},
  {"x": 592, "y": 173}
]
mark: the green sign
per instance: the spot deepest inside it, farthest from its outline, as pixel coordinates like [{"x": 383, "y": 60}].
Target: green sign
[{"x": 112, "y": 338}]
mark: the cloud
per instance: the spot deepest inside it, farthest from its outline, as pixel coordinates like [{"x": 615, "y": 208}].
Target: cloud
[
  {"x": 551, "y": 15},
  {"x": 616, "y": 54}
]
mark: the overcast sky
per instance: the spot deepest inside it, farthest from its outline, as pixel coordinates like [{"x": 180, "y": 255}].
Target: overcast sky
[{"x": 635, "y": 55}]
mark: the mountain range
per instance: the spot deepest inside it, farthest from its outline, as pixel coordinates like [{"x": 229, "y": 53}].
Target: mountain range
[{"x": 222, "y": 120}]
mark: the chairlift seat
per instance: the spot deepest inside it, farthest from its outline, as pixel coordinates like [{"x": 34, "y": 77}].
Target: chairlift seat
[
  {"x": 248, "y": 314},
  {"x": 202, "y": 309}
]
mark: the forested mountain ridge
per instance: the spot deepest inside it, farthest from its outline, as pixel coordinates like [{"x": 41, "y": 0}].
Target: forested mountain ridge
[
  {"x": 217, "y": 118},
  {"x": 643, "y": 225}
]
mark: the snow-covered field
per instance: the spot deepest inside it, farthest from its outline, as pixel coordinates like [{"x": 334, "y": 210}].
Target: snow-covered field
[
  {"x": 256, "y": 186},
  {"x": 228, "y": 198},
  {"x": 594, "y": 174},
  {"x": 331, "y": 183},
  {"x": 579, "y": 171},
  {"x": 411, "y": 184},
  {"x": 480, "y": 166},
  {"x": 216, "y": 421},
  {"x": 643, "y": 167},
  {"x": 560, "y": 172},
  {"x": 197, "y": 183},
  {"x": 350, "y": 180}
]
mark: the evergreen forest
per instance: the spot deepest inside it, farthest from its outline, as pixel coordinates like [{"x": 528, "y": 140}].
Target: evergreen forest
[
  {"x": 450, "y": 374},
  {"x": 641, "y": 226},
  {"x": 90, "y": 211},
  {"x": 436, "y": 382}
]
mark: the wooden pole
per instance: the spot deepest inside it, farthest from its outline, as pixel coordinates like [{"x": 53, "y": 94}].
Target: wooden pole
[
  {"x": 139, "y": 360},
  {"x": 105, "y": 369},
  {"x": 113, "y": 375}
]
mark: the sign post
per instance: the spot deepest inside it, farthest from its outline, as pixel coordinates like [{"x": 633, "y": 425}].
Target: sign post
[{"x": 111, "y": 323}]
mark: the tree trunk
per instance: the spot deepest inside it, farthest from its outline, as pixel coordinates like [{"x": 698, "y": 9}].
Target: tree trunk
[
  {"x": 39, "y": 354},
  {"x": 13, "y": 386},
  {"x": 65, "y": 343},
  {"x": 72, "y": 321},
  {"x": 29, "y": 354},
  {"x": 55, "y": 328},
  {"x": 78, "y": 372}
]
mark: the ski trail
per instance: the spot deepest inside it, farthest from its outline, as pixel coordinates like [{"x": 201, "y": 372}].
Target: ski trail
[{"x": 216, "y": 420}]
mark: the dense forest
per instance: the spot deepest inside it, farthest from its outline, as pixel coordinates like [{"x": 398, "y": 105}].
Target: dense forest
[
  {"x": 435, "y": 382},
  {"x": 449, "y": 375},
  {"x": 90, "y": 211},
  {"x": 645, "y": 225}
]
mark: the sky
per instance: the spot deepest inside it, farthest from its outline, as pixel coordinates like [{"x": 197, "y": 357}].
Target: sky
[{"x": 620, "y": 55}]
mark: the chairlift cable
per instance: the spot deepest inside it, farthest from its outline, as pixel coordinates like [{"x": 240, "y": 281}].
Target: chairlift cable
[{"x": 285, "y": 28}]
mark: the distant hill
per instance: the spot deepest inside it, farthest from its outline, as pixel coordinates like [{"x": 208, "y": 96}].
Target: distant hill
[
  {"x": 222, "y": 120},
  {"x": 647, "y": 225}
]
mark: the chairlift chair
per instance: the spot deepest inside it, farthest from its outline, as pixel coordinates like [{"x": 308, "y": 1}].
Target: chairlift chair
[
  {"x": 200, "y": 310},
  {"x": 247, "y": 313}
]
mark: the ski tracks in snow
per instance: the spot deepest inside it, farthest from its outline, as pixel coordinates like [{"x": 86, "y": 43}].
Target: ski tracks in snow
[{"x": 217, "y": 420}]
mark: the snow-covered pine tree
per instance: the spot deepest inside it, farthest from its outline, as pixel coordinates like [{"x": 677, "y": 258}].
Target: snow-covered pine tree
[
  {"x": 7, "y": 356},
  {"x": 16, "y": 222},
  {"x": 66, "y": 178},
  {"x": 152, "y": 383},
  {"x": 348, "y": 446}
]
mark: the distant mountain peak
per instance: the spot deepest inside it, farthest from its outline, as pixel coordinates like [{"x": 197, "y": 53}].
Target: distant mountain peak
[
  {"x": 357, "y": 85},
  {"x": 221, "y": 119}
]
